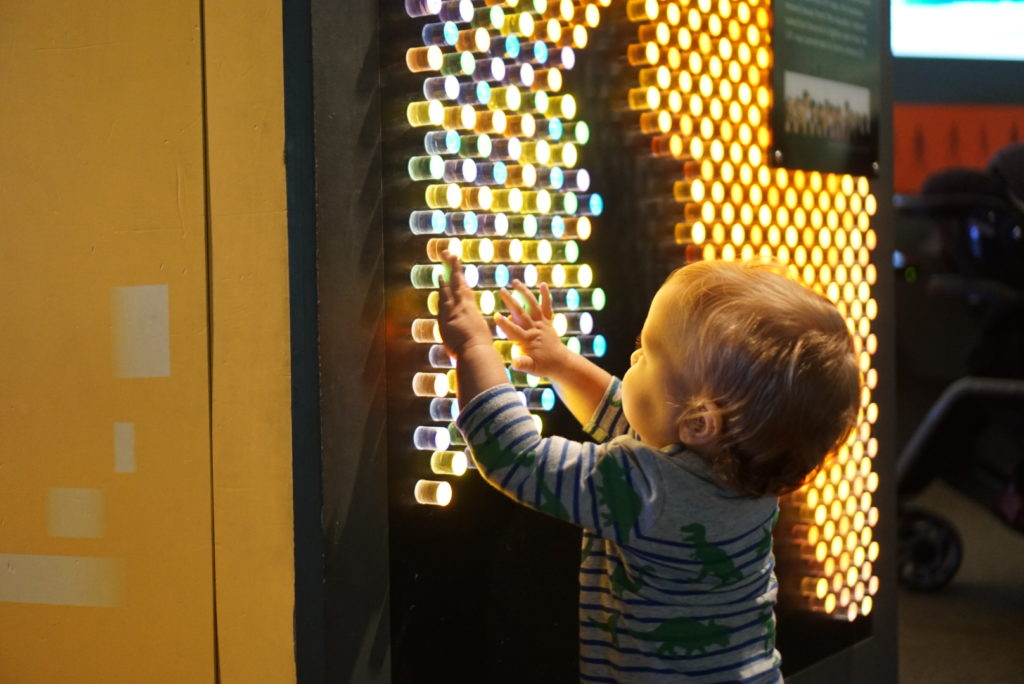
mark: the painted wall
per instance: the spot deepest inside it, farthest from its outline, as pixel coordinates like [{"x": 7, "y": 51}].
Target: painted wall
[{"x": 145, "y": 506}]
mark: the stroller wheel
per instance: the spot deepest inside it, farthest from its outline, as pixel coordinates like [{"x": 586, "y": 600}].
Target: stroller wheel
[{"x": 930, "y": 550}]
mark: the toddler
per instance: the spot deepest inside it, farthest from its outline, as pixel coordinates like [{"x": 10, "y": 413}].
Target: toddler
[{"x": 742, "y": 382}]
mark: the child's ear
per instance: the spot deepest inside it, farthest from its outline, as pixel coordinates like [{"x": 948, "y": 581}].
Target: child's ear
[{"x": 702, "y": 428}]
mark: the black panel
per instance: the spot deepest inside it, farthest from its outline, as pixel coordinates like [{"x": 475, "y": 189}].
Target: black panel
[{"x": 974, "y": 81}]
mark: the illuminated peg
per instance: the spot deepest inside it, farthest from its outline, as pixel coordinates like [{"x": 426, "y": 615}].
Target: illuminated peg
[
  {"x": 490, "y": 18},
  {"x": 425, "y": 331},
  {"x": 429, "y": 113},
  {"x": 536, "y": 201},
  {"x": 473, "y": 93},
  {"x": 578, "y": 228},
  {"x": 594, "y": 346},
  {"x": 506, "y": 149},
  {"x": 493, "y": 275},
  {"x": 577, "y": 179},
  {"x": 476, "y": 197},
  {"x": 506, "y": 97},
  {"x": 475, "y": 145},
  {"x": 459, "y": 11},
  {"x": 473, "y": 40},
  {"x": 534, "y": 52},
  {"x": 449, "y": 463},
  {"x": 507, "y": 350},
  {"x": 477, "y": 250},
  {"x": 492, "y": 224},
  {"x": 429, "y": 222},
  {"x": 565, "y": 251},
  {"x": 492, "y": 69},
  {"x": 536, "y": 152},
  {"x": 430, "y": 384},
  {"x": 438, "y": 357},
  {"x": 428, "y": 58},
  {"x": 491, "y": 173},
  {"x": 591, "y": 204},
  {"x": 539, "y": 399},
  {"x": 522, "y": 125},
  {"x": 554, "y": 130},
  {"x": 490, "y": 120},
  {"x": 435, "y": 246},
  {"x": 551, "y": 227},
  {"x": 520, "y": 23},
  {"x": 459, "y": 117},
  {"x": 505, "y": 46},
  {"x": 441, "y": 88},
  {"x": 527, "y": 274},
  {"x": 563, "y": 106},
  {"x": 507, "y": 250},
  {"x": 454, "y": 436},
  {"x": 547, "y": 79},
  {"x": 460, "y": 223},
  {"x": 433, "y": 493},
  {"x": 537, "y": 101},
  {"x": 442, "y": 142},
  {"x": 524, "y": 225},
  {"x": 458, "y": 64},
  {"x": 425, "y": 276},
  {"x": 443, "y": 196},
  {"x": 521, "y": 176},
  {"x": 551, "y": 177},
  {"x": 458, "y": 171},
  {"x": 428, "y": 167},
  {"x": 520, "y": 75},
  {"x": 565, "y": 154},
  {"x": 507, "y": 200},
  {"x": 440, "y": 33},
  {"x": 422, "y": 8}
]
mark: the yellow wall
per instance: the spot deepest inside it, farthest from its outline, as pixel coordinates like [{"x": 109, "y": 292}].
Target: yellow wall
[{"x": 128, "y": 496}]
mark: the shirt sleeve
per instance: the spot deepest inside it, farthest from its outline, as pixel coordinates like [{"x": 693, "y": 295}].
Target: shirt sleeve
[
  {"x": 608, "y": 489},
  {"x": 608, "y": 420}
]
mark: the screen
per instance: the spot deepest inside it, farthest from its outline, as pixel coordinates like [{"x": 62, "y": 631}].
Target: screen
[{"x": 964, "y": 29}]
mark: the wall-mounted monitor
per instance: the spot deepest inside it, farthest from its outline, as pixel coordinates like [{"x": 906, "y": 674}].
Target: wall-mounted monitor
[{"x": 958, "y": 29}]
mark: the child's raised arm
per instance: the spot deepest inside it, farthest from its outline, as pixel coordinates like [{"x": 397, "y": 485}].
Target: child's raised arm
[
  {"x": 580, "y": 383},
  {"x": 466, "y": 335}
]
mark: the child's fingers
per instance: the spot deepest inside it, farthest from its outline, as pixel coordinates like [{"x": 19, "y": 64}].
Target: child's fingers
[
  {"x": 531, "y": 301},
  {"x": 524, "y": 363},
  {"x": 511, "y": 330},
  {"x": 513, "y": 306},
  {"x": 546, "y": 309}
]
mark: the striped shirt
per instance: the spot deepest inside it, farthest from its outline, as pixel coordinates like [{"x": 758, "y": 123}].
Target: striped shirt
[{"x": 676, "y": 576}]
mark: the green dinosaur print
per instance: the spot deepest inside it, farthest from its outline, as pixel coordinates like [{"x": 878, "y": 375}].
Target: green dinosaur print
[
  {"x": 550, "y": 503},
  {"x": 715, "y": 561},
  {"x": 491, "y": 456},
  {"x": 691, "y": 636},
  {"x": 622, "y": 503},
  {"x": 769, "y": 623},
  {"x": 622, "y": 582},
  {"x": 615, "y": 401}
]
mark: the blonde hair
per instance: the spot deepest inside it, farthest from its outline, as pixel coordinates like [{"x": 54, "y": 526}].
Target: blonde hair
[{"x": 777, "y": 362}]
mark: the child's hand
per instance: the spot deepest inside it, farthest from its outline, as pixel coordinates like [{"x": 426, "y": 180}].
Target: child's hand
[
  {"x": 543, "y": 351},
  {"x": 461, "y": 323}
]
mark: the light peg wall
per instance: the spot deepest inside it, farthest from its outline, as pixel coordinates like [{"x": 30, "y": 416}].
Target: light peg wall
[
  {"x": 501, "y": 188},
  {"x": 499, "y": 183}
]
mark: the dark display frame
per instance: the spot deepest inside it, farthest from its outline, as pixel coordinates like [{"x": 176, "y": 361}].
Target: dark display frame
[{"x": 353, "y": 591}]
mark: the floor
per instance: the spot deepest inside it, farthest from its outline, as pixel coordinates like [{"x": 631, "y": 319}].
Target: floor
[{"x": 972, "y": 631}]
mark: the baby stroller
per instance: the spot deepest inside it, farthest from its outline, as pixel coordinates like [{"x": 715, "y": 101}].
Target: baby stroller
[{"x": 971, "y": 256}]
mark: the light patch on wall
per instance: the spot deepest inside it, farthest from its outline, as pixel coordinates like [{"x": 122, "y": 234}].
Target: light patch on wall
[
  {"x": 124, "y": 447},
  {"x": 60, "y": 580},
  {"x": 74, "y": 512},
  {"x": 141, "y": 331}
]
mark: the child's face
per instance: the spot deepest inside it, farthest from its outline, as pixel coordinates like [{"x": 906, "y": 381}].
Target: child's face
[{"x": 646, "y": 386}]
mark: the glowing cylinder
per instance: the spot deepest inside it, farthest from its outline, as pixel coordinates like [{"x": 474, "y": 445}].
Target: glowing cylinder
[
  {"x": 422, "y": 8},
  {"x": 442, "y": 142},
  {"x": 428, "y": 58},
  {"x": 441, "y": 88},
  {"x": 449, "y": 463},
  {"x": 426, "y": 331},
  {"x": 429, "y": 222},
  {"x": 540, "y": 398},
  {"x": 431, "y": 438},
  {"x": 443, "y": 33},
  {"x": 430, "y": 384},
  {"x": 492, "y": 224},
  {"x": 460, "y": 223},
  {"x": 433, "y": 493}
]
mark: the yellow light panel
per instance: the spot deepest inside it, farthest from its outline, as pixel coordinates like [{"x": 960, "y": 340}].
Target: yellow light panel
[{"x": 819, "y": 224}]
